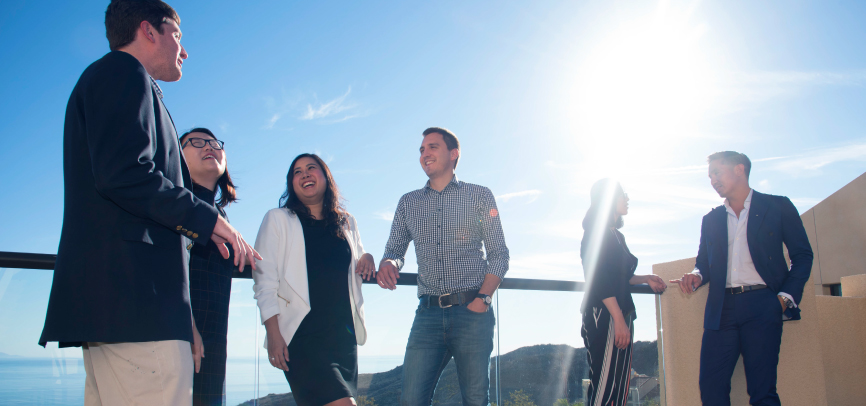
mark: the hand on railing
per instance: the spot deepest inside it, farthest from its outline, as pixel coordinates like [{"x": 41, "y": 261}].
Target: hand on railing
[
  {"x": 388, "y": 274},
  {"x": 688, "y": 283},
  {"x": 366, "y": 266}
]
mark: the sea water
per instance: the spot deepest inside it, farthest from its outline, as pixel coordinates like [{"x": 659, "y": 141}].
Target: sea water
[{"x": 60, "y": 381}]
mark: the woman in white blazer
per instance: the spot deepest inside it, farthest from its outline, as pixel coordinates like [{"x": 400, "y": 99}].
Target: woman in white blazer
[{"x": 308, "y": 287}]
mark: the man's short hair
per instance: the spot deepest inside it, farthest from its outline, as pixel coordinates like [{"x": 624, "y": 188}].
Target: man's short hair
[
  {"x": 732, "y": 158},
  {"x": 123, "y": 17},
  {"x": 451, "y": 140}
]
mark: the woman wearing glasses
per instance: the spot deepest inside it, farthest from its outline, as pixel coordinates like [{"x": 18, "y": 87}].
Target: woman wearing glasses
[
  {"x": 308, "y": 287},
  {"x": 210, "y": 275},
  {"x": 608, "y": 309}
]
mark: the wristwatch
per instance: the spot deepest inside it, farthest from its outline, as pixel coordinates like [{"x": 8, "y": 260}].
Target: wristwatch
[
  {"x": 485, "y": 298},
  {"x": 788, "y": 302}
]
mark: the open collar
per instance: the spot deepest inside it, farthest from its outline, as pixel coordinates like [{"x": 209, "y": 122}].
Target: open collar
[
  {"x": 746, "y": 205},
  {"x": 454, "y": 183}
]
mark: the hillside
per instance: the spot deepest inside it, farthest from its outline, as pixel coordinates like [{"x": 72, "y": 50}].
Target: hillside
[{"x": 544, "y": 372}]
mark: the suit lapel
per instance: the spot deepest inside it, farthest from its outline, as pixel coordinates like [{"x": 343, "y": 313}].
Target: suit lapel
[
  {"x": 161, "y": 108},
  {"x": 719, "y": 240},
  {"x": 757, "y": 212}
]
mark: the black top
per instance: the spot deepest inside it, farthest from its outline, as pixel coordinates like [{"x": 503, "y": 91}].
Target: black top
[
  {"x": 328, "y": 260},
  {"x": 202, "y": 249},
  {"x": 210, "y": 285},
  {"x": 121, "y": 270},
  {"x": 614, "y": 267}
]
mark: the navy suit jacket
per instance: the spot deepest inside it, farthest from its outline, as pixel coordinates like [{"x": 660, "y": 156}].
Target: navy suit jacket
[
  {"x": 122, "y": 267},
  {"x": 773, "y": 220}
]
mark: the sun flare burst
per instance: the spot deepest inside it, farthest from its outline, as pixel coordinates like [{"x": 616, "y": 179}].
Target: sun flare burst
[{"x": 640, "y": 91}]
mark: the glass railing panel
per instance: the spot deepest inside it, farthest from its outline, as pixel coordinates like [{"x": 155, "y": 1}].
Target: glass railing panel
[
  {"x": 241, "y": 371},
  {"x": 543, "y": 361},
  {"x": 388, "y": 317},
  {"x": 538, "y": 356},
  {"x": 30, "y": 374}
]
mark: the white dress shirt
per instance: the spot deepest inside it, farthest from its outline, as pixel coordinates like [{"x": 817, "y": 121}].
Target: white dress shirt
[{"x": 741, "y": 269}]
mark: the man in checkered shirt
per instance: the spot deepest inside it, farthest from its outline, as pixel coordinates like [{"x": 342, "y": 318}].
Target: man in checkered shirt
[{"x": 452, "y": 224}]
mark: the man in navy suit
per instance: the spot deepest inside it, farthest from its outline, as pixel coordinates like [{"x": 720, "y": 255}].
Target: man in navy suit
[
  {"x": 752, "y": 290},
  {"x": 120, "y": 288}
]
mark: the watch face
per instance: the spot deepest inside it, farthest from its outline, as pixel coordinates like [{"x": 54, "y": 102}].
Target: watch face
[{"x": 487, "y": 299}]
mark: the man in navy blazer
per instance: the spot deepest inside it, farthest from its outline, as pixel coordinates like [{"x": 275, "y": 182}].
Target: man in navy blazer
[
  {"x": 752, "y": 289},
  {"x": 120, "y": 286}
]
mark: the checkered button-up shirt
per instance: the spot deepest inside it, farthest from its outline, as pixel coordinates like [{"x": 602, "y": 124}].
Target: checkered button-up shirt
[{"x": 451, "y": 230}]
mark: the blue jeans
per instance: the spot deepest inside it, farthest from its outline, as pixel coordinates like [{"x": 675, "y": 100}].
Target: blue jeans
[{"x": 439, "y": 334}]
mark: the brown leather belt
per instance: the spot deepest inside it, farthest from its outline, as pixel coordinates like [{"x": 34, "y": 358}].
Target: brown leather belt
[
  {"x": 744, "y": 289},
  {"x": 446, "y": 301}
]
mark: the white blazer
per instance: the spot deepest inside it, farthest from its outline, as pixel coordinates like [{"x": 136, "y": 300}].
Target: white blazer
[{"x": 281, "y": 286}]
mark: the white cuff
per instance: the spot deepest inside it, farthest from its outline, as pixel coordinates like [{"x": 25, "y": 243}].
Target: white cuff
[
  {"x": 698, "y": 273},
  {"x": 789, "y": 297}
]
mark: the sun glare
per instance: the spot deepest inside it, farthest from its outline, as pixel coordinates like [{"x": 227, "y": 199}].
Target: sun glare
[{"x": 639, "y": 91}]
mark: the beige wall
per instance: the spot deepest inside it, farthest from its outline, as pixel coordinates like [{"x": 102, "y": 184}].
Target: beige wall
[
  {"x": 842, "y": 328},
  {"x": 801, "y": 370},
  {"x": 840, "y": 233},
  {"x": 854, "y": 286}
]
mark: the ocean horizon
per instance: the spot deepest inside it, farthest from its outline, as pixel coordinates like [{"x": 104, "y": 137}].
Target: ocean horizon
[{"x": 60, "y": 381}]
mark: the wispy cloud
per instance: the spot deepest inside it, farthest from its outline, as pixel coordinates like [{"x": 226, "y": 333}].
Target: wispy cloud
[
  {"x": 386, "y": 215},
  {"x": 273, "y": 121},
  {"x": 739, "y": 90},
  {"x": 306, "y": 107},
  {"x": 811, "y": 161},
  {"x": 807, "y": 162},
  {"x": 531, "y": 194},
  {"x": 276, "y": 108},
  {"x": 328, "y": 158},
  {"x": 333, "y": 108}
]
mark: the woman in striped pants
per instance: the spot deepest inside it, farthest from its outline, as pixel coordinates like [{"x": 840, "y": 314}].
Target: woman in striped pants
[{"x": 608, "y": 309}]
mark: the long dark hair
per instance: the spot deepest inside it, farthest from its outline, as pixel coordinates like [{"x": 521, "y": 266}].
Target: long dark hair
[
  {"x": 602, "y": 212},
  {"x": 227, "y": 188},
  {"x": 333, "y": 211},
  {"x": 603, "y": 200}
]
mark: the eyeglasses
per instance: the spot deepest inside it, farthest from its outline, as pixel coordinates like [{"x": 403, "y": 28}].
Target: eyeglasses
[{"x": 200, "y": 143}]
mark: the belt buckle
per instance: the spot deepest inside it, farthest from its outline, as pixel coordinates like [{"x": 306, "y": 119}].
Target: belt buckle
[
  {"x": 440, "y": 303},
  {"x": 737, "y": 290}
]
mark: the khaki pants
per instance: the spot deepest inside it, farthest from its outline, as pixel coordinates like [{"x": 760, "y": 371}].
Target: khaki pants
[{"x": 154, "y": 373}]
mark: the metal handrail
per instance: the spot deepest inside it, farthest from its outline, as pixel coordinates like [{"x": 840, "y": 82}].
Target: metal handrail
[{"x": 26, "y": 260}]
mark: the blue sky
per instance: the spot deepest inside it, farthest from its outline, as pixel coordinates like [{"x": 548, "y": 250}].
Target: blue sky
[{"x": 546, "y": 97}]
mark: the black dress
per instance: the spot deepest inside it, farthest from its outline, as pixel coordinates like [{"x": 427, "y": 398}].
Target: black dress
[
  {"x": 210, "y": 284},
  {"x": 323, "y": 354}
]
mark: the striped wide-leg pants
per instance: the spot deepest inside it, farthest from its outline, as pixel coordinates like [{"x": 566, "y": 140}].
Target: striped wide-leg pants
[{"x": 609, "y": 367}]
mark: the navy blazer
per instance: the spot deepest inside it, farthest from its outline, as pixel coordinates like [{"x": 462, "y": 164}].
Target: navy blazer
[
  {"x": 773, "y": 220},
  {"x": 122, "y": 267}
]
